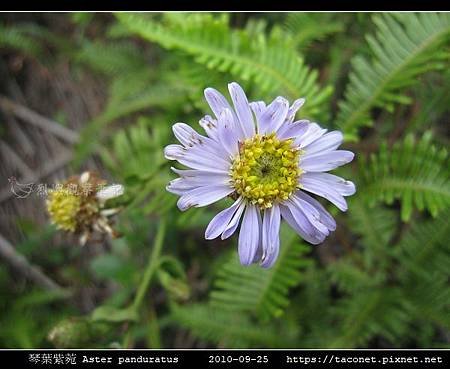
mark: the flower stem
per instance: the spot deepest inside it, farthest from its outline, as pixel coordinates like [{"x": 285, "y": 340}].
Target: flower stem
[{"x": 150, "y": 269}]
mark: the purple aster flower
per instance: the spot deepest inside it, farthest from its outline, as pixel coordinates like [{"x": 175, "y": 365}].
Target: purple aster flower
[{"x": 266, "y": 162}]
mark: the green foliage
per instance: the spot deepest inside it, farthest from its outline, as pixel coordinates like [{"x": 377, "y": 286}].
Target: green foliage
[
  {"x": 306, "y": 28},
  {"x": 229, "y": 329},
  {"x": 264, "y": 292},
  {"x": 20, "y": 38},
  {"x": 424, "y": 250},
  {"x": 413, "y": 171},
  {"x": 268, "y": 61},
  {"x": 379, "y": 280},
  {"x": 404, "y": 47}
]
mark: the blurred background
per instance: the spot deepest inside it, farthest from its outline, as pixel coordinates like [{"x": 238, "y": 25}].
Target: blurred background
[{"x": 99, "y": 92}]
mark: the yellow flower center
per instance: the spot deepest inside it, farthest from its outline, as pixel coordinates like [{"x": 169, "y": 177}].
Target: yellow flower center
[
  {"x": 63, "y": 206},
  {"x": 266, "y": 170}
]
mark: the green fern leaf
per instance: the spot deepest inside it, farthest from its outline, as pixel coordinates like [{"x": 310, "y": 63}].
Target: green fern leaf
[
  {"x": 425, "y": 250},
  {"x": 404, "y": 47},
  {"x": 19, "y": 37},
  {"x": 230, "y": 329},
  {"x": 271, "y": 63},
  {"x": 308, "y": 27},
  {"x": 416, "y": 172},
  {"x": 263, "y": 292},
  {"x": 373, "y": 312},
  {"x": 375, "y": 225}
]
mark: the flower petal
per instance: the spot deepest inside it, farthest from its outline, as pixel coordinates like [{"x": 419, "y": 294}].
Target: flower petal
[
  {"x": 325, "y": 216},
  {"x": 258, "y": 108},
  {"x": 110, "y": 192},
  {"x": 173, "y": 151},
  {"x": 186, "y": 134},
  {"x": 326, "y": 191},
  {"x": 340, "y": 185},
  {"x": 216, "y": 101},
  {"x": 322, "y": 162},
  {"x": 311, "y": 213},
  {"x": 234, "y": 222},
  {"x": 293, "y": 130},
  {"x": 328, "y": 142},
  {"x": 313, "y": 133},
  {"x": 180, "y": 186},
  {"x": 194, "y": 179},
  {"x": 270, "y": 236},
  {"x": 249, "y": 235},
  {"x": 297, "y": 104},
  {"x": 274, "y": 116},
  {"x": 220, "y": 222},
  {"x": 196, "y": 158},
  {"x": 210, "y": 126},
  {"x": 242, "y": 109},
  {"x": 297, "y": 220},
  {"x": 227, "y": 133},
  {"x": 202, "y": 196},
  {"x": 202, "y": 176}
]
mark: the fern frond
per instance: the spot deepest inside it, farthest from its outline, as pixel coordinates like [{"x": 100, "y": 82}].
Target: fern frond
[
  {"x": 18, "y": 37},
  {"x": 350, "y": 278},
  {"x": 404, "y": 47},
  {"x": 272, "y": 64},
  {"x": 373, "y": 312},
  {"x": 415, "y": 172},
  {"x": 229, "y": 329},
  {"x": 374, "y": 225},
  {"x": 263, "y": 292},
  {"x": 425, "y": 250},
  {"x": 308, "y": 27},
  {"x": 112, "y": 59},
  {"x": 158, "y": 96}
]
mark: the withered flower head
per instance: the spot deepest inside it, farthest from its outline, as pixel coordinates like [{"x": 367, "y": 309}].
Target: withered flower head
[{"x": 78, "y": 205}]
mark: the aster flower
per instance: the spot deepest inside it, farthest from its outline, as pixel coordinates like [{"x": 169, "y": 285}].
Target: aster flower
[
  {"x": 266, "y": 162},
  {"x": 78, "y": 205}
]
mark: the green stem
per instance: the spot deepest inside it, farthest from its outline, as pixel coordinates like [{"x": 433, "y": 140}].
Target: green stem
[
  {"x": 152, "y": 265},
  {"x": 153, "y": 337}
]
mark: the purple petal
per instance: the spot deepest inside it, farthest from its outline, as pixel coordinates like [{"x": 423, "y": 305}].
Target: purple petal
[
  {"x": 258, "y": 108},
  {"x": 232, "y": 226},
  {"x": 340, "y": 185},
  {"x": 313, "y": 133},
  {"x": 200, "y": 176},
  {"x": 325, "y": 216},
  {"x": 173, "y": 151},
  {"x": 216, "y": 101},
  {"x": 220, "y": 222},
  {"x": 227, "y": 133},
  {"x": 327, "y": 142},
  {"x": 242, "y": 109},
  {"x": 202, "y": 196},
  {"x": 274, "y": 116},
  {"x": 197, "y": 158},
  {"x": 270, "y": 236},
  {"x": 293, "y": 130},
  {"x": 297, "y": 104},
  {"x": 210, "y": 126},
  {"x": 186, "y": 134},
  {"x": 297, "y": 220},
  {"x": 311, "y": 213},
  {"x": 328, "y": 160},
  {"x": 179, "y": 186},
  {"x": 249, "y": 235},
  {"x": 195, "y": 178},
  {"x": 319, "y": 188}
]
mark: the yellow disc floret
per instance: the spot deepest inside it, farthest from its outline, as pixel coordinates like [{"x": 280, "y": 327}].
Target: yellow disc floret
[
  {"x": 266, "y": 170},
  {"x": 63, "y": 206}
]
